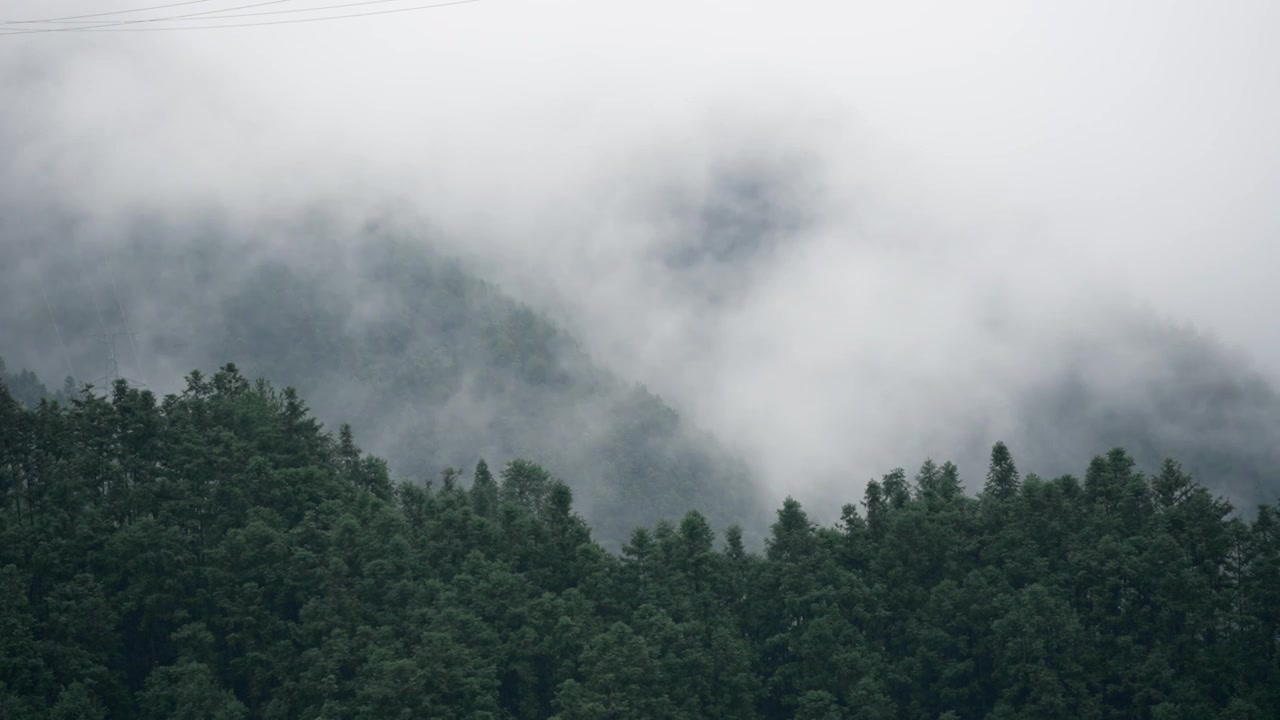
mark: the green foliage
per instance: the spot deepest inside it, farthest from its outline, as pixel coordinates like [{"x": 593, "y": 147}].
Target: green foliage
[
  {"x": 216, "y": 555},
  {"x": 1002, "y": 476},
  {"x": 189, "y": 691}
]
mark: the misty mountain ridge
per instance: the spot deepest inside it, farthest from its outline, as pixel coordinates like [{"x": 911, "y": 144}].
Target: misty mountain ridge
[
  {"x": 1160, "y": 391},
  {"x": 433, "y": 367},
  {"x": 436, "y": 368}
]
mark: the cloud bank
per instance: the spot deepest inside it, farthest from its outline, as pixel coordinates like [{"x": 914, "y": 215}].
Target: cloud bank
[{"x": 842, "y": 236}]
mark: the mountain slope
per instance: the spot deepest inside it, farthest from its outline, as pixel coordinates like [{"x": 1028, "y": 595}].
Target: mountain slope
[
  {"x": 436, "y": 368},
  {"x": 1158, "y": 391},
  {"x": 433, "y": 367},
  {"x": 25, "y": 387}
]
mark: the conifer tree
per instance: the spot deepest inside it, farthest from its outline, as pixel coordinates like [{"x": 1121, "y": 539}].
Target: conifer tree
[{"x": 1002, "y": 474}]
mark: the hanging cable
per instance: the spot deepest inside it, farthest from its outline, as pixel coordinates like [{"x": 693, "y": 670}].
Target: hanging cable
[
  {"x": 259, "y": 14},
  {"x": 115, "y": 27},
  {"x": 141, "y": 21},
  {"x": 102, "y": 14}
]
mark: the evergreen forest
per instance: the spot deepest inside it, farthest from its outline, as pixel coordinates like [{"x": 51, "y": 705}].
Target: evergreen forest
[{"x": 217, "y": 553}]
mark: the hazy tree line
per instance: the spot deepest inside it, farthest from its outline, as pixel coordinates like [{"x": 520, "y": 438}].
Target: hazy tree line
[
  {"x": 431, "y": 365},
  {"x": 434, "y": 365},
  {"x": 216, "y": 554},
  {"x": 26, "y": 388}
]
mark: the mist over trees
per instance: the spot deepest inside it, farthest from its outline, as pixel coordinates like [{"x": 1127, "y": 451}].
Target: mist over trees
[
  {"x": 433, "y": 365},
  {"x": 25, "y": 387},
  {"x": 1158, "y": 390},
  {"x": 605, "y": 315},
  {"x": 215, "y": 554}
]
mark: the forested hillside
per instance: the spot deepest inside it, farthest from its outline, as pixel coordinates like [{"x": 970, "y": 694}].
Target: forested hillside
[
  {"x": 25, "y": 386},
  {"x": 434, "y": 367},
  {"x": 215, "y": 554},
  {"x": 1158, "y": 390},
  {"x": 431, "y": 365}
]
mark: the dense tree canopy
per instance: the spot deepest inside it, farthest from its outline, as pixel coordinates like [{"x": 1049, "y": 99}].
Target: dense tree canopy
[{"x": 216, "y": 554}]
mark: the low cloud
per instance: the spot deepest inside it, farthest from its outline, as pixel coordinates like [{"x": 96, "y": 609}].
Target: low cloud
[{"x": 842, "y": 238}]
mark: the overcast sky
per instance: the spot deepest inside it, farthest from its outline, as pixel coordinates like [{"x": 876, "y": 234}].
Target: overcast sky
[{"x": 928, "y": 196}]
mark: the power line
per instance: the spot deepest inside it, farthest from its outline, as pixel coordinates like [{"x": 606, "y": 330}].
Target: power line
[
  {"x": 102, "y": 14},
  {"x": 118, "y": 23},
  {"x": 114, "y": 27},
  {"x": 259, "y": 14}
]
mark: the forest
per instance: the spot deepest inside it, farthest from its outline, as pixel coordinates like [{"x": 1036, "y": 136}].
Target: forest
[{"x": 216, "y": 553}]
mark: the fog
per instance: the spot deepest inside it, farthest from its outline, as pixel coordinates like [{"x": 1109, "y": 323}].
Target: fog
[{"x": 840, "y": 236}]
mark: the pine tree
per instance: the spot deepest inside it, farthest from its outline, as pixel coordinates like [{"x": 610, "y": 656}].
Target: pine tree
[
  {"x": 484, "y": 491},
  {"x": 1002, "y": 475}
]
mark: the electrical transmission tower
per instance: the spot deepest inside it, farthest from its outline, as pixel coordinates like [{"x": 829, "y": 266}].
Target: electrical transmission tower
[
  {"x": 111, "y": 363},
  {"x": 67, "y": 323},
  {"x": 110, "y": 332}
]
